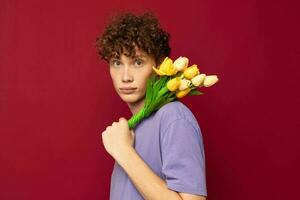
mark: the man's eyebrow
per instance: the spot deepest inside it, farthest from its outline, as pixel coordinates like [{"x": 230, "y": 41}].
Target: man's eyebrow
[
  {"x": 114, "y": 58},
  {"x": 140, "y": 55},
  {"x": 135, "y": 56}
]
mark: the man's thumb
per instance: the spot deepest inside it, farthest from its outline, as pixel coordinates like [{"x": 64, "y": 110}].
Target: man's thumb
[{"x": 132, "y": 133}]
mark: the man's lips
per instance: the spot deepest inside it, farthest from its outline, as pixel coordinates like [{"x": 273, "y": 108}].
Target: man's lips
[{"x": 127, "y": 88}]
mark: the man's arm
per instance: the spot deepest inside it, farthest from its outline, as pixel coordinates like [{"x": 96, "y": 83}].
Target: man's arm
[{"x": 150, "y": 186}]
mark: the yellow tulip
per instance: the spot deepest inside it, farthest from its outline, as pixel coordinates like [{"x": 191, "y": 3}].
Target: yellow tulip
[
  {"x": 181, "y": 63},
  {"x": 166, "y": 68},
  {"x": 184, "y": 83},
  {"x": 173, "y": 84},
  {"x": 210, "y": 80},
  {"x": 198, "y": 80},
  {"x": 182, "y": 93},
  {"x": 191, "y": 72}
]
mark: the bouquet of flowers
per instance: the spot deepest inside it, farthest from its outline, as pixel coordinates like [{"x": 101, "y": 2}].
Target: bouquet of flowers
[{"x": 171, "y": 81}]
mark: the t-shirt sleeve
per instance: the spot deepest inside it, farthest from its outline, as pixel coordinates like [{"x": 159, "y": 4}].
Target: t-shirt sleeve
[{"x": 183, "y": 158}]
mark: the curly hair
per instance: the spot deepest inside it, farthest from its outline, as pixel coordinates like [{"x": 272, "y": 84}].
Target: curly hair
[{"x": 127, "y": 30}]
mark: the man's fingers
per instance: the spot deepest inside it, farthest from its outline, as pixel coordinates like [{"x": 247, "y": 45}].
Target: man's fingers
[{"x": 123, "y": 120}]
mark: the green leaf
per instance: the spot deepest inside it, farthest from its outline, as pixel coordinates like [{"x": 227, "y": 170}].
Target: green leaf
[
  {"x": 149, "y": 91},
  {"x": 162, "y": 91},
  {"x": 195, "y": 92},
  {"x": 158, "y": 85}
]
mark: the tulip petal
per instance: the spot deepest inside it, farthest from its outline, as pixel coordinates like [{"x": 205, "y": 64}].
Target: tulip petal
[
  {"x": 210, "y": 80},
  {"x": 158, "y": 71}
]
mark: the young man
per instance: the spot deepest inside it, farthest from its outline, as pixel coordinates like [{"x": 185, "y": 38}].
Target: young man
[{"x": 163, "y": 157}]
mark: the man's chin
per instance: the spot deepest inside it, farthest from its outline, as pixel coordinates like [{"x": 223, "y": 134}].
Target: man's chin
[{"x": 131, "y": 98}]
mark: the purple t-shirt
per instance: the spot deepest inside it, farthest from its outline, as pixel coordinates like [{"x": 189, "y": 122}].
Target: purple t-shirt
[{"x": 171, "y": 143}]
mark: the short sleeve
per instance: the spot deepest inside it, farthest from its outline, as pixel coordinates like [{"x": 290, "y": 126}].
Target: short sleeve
[{"x": 183, "y": 158}]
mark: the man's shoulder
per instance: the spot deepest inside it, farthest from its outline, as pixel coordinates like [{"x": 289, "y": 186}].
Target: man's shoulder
[
  {"x": 176, "y": 114},
  {"x": 175, "y": 110},
  {"x": 174, "y": 107}
]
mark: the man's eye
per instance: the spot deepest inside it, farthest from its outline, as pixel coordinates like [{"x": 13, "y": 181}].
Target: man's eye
[
  {"x": 139, "y": 62},
  {"x": 116, "y": 63}
]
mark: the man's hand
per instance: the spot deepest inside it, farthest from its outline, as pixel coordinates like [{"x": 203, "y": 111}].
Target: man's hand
[
  {"x": 187, "y": 196},
  {"x": 118, "y": 138}
]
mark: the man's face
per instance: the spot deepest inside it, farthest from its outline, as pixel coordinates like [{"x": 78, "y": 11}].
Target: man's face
[{"x": 130, "y": 75}]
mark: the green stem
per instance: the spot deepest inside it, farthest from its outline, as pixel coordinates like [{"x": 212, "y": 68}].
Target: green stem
[{"x": 135, "y": 119}]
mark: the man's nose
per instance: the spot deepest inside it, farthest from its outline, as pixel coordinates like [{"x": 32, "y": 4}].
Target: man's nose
[{"x": 127, "y": 76}]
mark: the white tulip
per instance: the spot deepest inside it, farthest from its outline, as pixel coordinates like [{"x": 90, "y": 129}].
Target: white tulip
[
  {"x": 184, "y": 83},
  {"x": 181, "y": 63},
  {"x": 198, "y": 80},
  {"x": 210, "y": 80}
]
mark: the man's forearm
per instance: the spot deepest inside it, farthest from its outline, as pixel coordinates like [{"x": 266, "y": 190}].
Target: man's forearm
[{"x": 150, "y": 185}]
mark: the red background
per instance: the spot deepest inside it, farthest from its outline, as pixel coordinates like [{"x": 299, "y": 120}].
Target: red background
[{"x": 56, "y": 96}]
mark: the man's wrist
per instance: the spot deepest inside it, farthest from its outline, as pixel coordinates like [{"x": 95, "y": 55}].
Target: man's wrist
[{"x": 124, "y": 154}]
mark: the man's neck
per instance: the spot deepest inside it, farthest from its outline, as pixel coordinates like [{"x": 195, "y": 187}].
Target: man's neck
[{"x": 137, "y": 106}]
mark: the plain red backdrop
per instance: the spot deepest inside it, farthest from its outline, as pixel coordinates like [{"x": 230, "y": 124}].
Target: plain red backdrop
[{"x": 56, "y": 96}]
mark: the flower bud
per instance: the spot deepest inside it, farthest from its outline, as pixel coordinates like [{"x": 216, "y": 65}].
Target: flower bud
[
  {"x": 173, "y": 84},
  {"x": 198, "y": 80},
  {"x": 191, "y": 72},
  {"x": 182, "y": 93},
  {"x": 184, "y": 83},
  {"x": 166, "y": 68},
  {"x": 181, "y": 63},
  {"x": 210, "y": 80}
]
